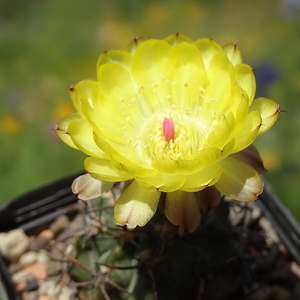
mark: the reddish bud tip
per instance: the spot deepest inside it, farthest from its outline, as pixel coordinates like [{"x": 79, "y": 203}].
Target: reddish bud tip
[{"x": 136, "y": 40}]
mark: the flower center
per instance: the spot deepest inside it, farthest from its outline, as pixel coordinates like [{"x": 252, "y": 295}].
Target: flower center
[{"x": 176, "y": 137}]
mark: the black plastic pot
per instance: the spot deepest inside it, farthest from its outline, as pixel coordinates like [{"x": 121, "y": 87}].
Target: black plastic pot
[{"x": 36, "y": 210}]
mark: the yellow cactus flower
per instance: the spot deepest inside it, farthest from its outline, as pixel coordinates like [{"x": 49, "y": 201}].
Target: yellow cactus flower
[{"x": 173, "y": 117}]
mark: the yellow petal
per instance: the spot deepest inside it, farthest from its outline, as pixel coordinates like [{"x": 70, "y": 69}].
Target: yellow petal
[
  {"x": 171, "y": 186},
  {"x": 63, "y": 125},
  {"x": 86, "y": 88},
  {"x": 113, "y": 126},
  {"x": 115, "y": 148},
  {"x": 81, "y": 133},
  {"x": 163, "y": 182},
  {"x": 154, "y": 97},
  {"x": 176, "y": 39},
  {"x": 206, "y": 177},
  {"x": 150, "y": 61},
  {"x": 197, "y": 162},
  {"x": 177, "y": 166},
  {"x": 208, "y": 48},
  {"x": 239, "y": 181},
  {"x": 269, "y": 111},
  {"x": 122, "y": 58},
  {"x": 138, "y": 171},
  {"x": 104, "y": 170},
  {"x": 245, "y": 79},
  {"x": 248, "y": 132},
  {"x": 116, "y": 111},
  {"x": 233, "y": 53},
  {"x": 134, "y": 44},
  {"x": 136, "y": 206},
  {"x": 186, "y": 66},
  {"x": 241, "y": 108},
  {"x": 222, "y": 132},
  {"x": 117, "y": 132},
  {"x": 115, "y": 82},
  {"x": 220, "y": 74},
  {"x": 182, "y": 209},
  {"x": 187, "y": 75}
]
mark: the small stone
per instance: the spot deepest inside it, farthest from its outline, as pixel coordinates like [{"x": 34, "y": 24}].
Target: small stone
[
  {"x": 20, "y": 287},
  {"x": 13, "y": 244},
  {"x": 47, "y": 288},
  {"x": 44, "y": 297},
  {"x": 42, "y": 240},
  {"x": 54, "y": 268},
  {"x": 279, "y": 293},
  {"x": 67, "y": 292},
  {"x": 29, "y": 286},
  {"x": 295, "y": 268},
  {"x": 21, "y": 276},
  {"x": 61, "y": 223},
  {"x": 269, "y": 231},
  {"x": 47, "y": 233},
  {"x": 38, "y": 270},
  {"x": 43, "y": 256},
  {"x": 255, "y": 214},
  {"x": 14, "y": 268},
  {"x": 28, "y": 258},
  {"x": 237, "y": 212},
  {"x": 32, "y": 285},
  {"x": 34, "y": 295}
]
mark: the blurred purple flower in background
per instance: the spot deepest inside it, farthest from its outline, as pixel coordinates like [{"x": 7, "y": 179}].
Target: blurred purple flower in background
[{"x": 266, "y": 74}]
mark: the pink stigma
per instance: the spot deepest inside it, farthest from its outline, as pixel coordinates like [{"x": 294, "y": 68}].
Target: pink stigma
[{"x": 168, "y": 129}]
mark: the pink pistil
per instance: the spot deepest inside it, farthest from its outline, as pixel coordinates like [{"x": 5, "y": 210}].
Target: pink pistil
[{"x": 168, "y": 129}]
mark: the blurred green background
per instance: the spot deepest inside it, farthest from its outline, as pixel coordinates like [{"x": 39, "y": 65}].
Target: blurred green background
[{"x": 47, "y": 45}]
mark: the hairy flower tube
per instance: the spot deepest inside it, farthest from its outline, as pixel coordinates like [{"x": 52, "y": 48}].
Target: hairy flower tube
[{"x": 172, "y": 117}]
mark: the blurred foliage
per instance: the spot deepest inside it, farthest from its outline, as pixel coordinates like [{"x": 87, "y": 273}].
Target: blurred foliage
[{"x": 45, "y": 46}]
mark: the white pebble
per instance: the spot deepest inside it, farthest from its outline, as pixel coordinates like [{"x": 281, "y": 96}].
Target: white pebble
[
  {"x": 13, "y": 244},
  {"x": 43, "y": 256},
  {"x": 68, "y": 292},
  {"x": 28, "y": 258},
  {"x": 21, "y": 276}
]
